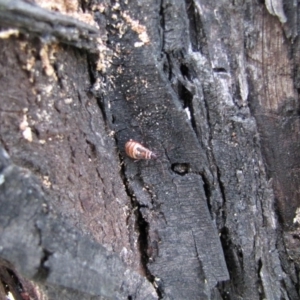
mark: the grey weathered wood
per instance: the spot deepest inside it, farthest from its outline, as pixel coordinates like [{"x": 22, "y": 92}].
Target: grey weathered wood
[{"x": 211, "y": 88}]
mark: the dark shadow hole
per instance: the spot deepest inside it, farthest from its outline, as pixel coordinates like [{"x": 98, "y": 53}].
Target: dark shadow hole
[
  {"x": 185, "y": 71},
  {"x": 180, "y": 168},
  {"x": 207, "y": 191},
  {"x": 15, "y": 279},
  {"x": 219, "y": 70}
]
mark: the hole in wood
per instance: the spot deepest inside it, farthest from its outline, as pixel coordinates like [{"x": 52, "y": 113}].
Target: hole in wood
[{"x": 181, "y": 168}]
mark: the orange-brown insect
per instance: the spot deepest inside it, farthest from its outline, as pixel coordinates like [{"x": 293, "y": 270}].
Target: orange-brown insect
[{"x": 137, "y": 151}]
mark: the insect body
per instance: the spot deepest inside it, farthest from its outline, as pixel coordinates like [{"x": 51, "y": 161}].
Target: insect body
[{"x": 137, "y": 151}]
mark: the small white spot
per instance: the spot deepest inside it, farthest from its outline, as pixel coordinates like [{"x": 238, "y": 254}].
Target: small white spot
[
  {"x": 138, "y": 44},
  {"x": 2, "y": 179},
  {"x": 188, "y": 112},
  {"x": 116, "y": 6},
  {"x": 24, "y": 124},
  {"x": 5, "y": 34},
  {"x": 27, "y": 134},
  {"x": 46, "y": 181},
  {"x": 297, "y": 216},
  {"x": 10, "y": 296},
  {"x": 68, "y": 100}
]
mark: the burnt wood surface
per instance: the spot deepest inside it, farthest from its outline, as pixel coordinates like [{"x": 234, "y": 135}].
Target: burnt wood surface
[{"x": 211, "y": 88}]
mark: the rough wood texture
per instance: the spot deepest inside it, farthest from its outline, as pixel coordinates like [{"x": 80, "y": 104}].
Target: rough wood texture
[
  {"x": 212, "y": 89},
  {"x": 50, "y": 26}
]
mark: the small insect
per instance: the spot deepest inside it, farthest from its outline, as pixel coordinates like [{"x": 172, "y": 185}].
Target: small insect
[{"x": 137, "y": 151}]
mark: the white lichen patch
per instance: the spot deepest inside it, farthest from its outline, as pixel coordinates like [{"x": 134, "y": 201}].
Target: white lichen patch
[
  {"x": 116, "y": 6},
  {"x": 68, "y": 100},
  {"x": 105, "y": 56},
  {"x": 73, "y": 9},
  {"x": 27, "y": 134},
  {"x": 296, "y": 219},
  {"x": 26, "y": 130},
  {"x": 29, "y": 63},
  {"x": 47, "y": 58},
  {"x": 138, "y": 44},
  {"x": 58, "y": 5},
  {"x": 5, "y": 34},
  {"x": 47, "y": 89},
  {"x": 46, "y": 182},
  {"x": 98, "y": 7},
  {"x": 10, "y": 296},
  {"x": 112, "y": 133},
  {"x": 141, "y": 30},
  {"x": 43, "y": 115}
]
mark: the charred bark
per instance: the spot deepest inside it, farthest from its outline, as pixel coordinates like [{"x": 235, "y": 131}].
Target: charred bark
[{"x": 211, "y": 89}]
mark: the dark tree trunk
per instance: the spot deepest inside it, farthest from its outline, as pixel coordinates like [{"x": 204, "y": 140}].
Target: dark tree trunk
[{"x": 211, "y": 88}]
